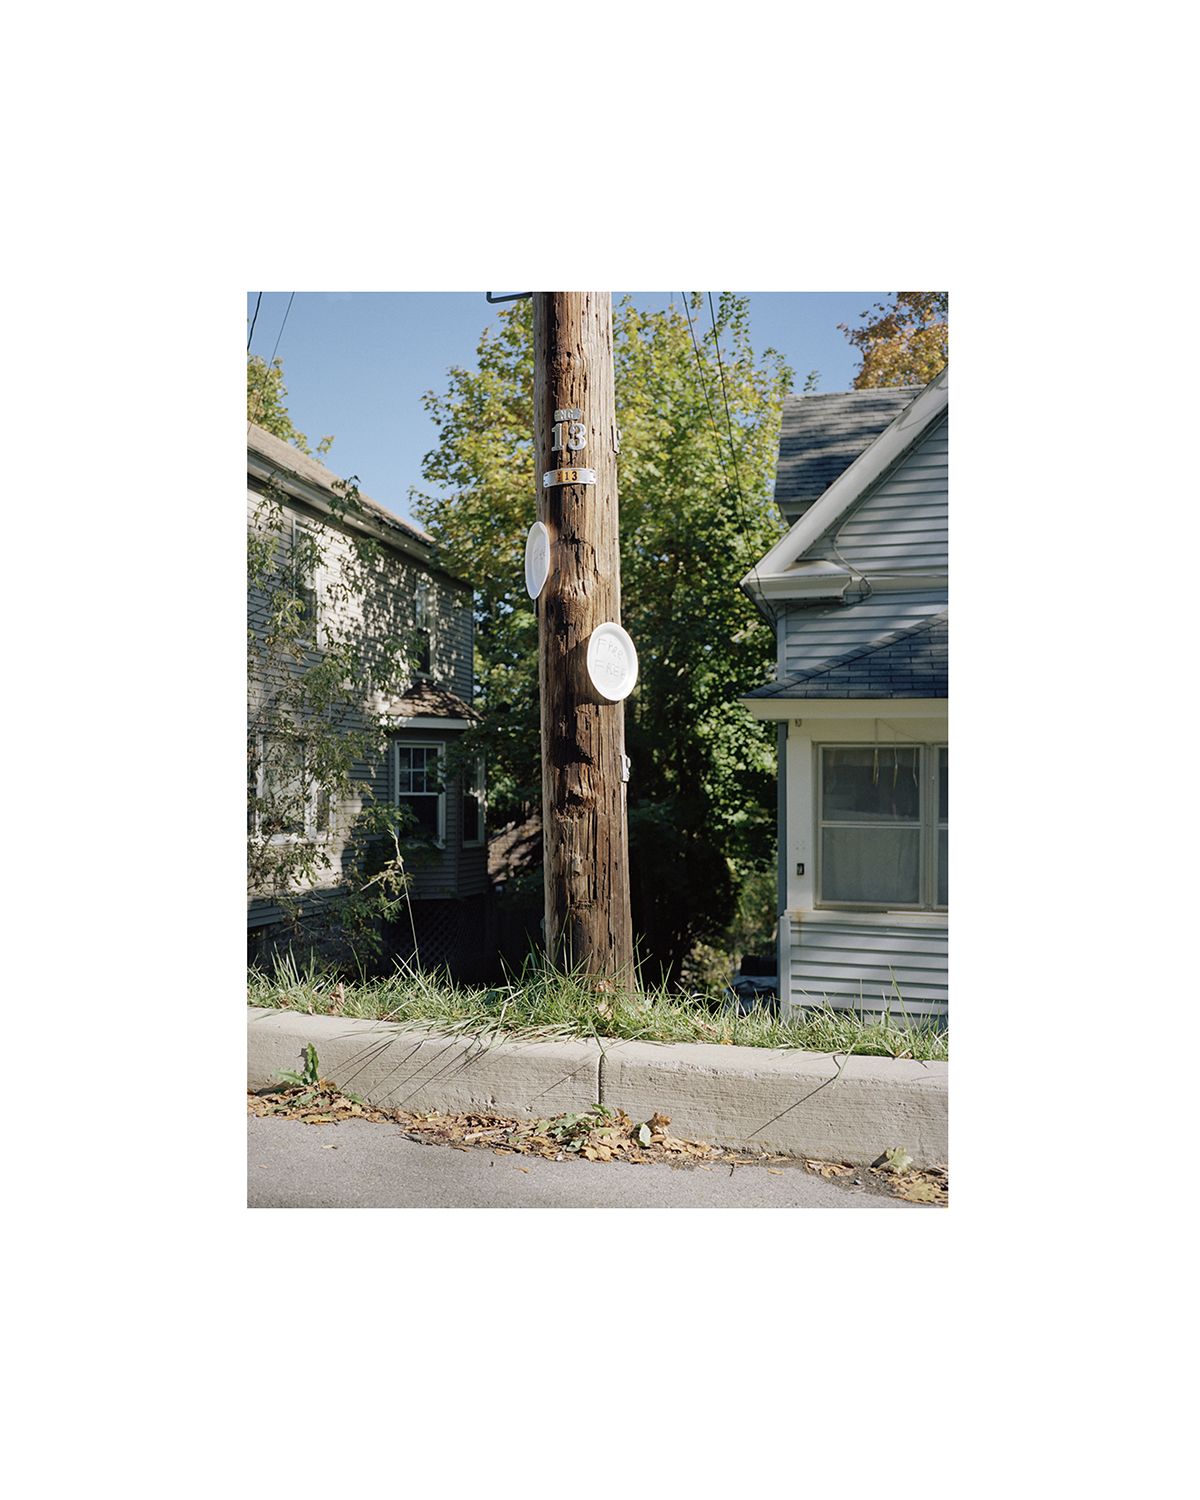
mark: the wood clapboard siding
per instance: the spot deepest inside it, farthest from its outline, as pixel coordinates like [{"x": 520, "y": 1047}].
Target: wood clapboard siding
[
  {"x": 454, "y": 646},
  {"x": 813, "y": 637},
  {"x": 859, "y": 965},
  {"x": 388, "y": 609}
]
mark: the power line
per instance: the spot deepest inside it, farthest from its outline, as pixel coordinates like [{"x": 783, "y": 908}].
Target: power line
[
  {"x": 282, "y": 326},
  {"x": 253, "y": 320},
  {"x": 725, "y": 397},
  {"x": 703, "y": 382}
]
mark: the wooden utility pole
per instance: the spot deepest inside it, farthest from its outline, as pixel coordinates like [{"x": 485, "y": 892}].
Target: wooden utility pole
[{"x": 584, "y": 768}]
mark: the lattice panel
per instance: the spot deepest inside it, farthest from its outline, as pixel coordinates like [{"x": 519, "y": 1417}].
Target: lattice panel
[{"x": 449, "y": 935}]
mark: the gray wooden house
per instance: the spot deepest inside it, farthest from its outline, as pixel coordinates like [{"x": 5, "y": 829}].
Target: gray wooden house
[
  {"x": 414, "y": 595},
  {"x": 857, "y": 592}
]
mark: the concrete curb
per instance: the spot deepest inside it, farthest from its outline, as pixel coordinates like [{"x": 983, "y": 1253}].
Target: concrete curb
[{"x": 814, "y": 1104}]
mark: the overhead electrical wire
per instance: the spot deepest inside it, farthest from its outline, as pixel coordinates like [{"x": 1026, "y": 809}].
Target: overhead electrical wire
[
  {"x": 282, "y": 326},
  {"x": 725, "y": 397},
  {"x": 736, "y": 487}
]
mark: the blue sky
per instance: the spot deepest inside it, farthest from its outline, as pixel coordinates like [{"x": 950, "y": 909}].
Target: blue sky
[{"x": 356, "y": 364}]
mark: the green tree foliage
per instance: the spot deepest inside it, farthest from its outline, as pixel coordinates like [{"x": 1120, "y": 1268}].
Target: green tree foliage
[
  {"x": 904, "y": 344},
  {"x": 265, "y": 404},
  {"x": 698, "y": 439}
]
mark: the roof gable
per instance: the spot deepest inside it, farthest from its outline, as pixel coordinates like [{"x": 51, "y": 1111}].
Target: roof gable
[{"x": 786, "y": 569}]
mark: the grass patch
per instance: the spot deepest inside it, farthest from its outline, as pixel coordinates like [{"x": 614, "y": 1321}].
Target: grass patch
[{"x": 542, "y": 1004}]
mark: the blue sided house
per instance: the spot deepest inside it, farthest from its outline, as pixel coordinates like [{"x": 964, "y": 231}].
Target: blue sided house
[{"x": 857, "y": 593}]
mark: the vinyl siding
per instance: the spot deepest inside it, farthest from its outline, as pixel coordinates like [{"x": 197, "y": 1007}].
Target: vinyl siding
[
  {"x": 851, "y": 964},
  {"x": 903, "y": 523},
  {"x": 811, "y": 637},
  {"x": 848, "y": 959}
]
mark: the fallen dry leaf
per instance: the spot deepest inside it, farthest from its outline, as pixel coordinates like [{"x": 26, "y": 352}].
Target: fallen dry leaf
[
  {"x": 613, "y": 1137},
  {"x": 919, "y": 1192}
]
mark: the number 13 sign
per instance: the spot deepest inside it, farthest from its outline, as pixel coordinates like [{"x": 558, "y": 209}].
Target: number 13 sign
[{"x": 568, "y": 433}]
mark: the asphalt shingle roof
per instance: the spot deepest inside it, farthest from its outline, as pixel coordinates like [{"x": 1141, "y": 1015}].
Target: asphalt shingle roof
[
  {"x": 427, "y": 699},
  {"x": 821, "y": 436},
  {"x": 304, "y": 466},
  {"x": 910, "y": 663}
]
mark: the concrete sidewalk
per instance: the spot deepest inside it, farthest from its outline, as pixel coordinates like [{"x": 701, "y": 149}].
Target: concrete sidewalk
[{"x": 816, "y": 1105}]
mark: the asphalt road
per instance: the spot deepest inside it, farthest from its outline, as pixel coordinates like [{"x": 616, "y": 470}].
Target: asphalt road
[{"x": 365, "y": 1164}]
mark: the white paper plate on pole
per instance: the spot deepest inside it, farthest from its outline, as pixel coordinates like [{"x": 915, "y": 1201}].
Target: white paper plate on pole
[
  {"x": 612, "y": 662},
  {"x": 537, "y": 559}
]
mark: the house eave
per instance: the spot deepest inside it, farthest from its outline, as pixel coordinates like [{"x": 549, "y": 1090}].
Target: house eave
[
  {"x": 797, "y": 709},
  {"x": 425, "y": 721},
  {"x": 268, "y": 470},
  {"x": 813, "y": 581}
]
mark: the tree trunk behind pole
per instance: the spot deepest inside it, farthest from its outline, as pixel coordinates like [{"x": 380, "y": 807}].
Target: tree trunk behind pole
[{"x": 583, "y": 736}]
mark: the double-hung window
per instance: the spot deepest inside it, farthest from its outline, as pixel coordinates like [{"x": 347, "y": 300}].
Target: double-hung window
[
  {"x": 883, "y": 826},
  {"x": 289, "y": 803},
  {"x": 417, "y": 785}
]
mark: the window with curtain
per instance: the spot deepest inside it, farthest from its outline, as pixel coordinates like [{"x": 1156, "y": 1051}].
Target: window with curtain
[{"x": 883, "y": 826}]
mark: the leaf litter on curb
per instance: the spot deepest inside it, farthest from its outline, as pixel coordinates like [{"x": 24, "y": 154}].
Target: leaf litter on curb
[
  {"x": 890, "y": 1174},
  {"x": 596, "y": 1134}
]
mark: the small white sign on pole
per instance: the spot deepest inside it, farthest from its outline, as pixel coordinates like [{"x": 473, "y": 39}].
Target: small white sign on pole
[
  {"x": 612, "y": 662},
  {"x": 537, "y": 559}
]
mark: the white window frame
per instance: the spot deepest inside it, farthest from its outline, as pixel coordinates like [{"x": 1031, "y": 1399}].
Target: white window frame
[
  {"x": 439, "y": 749},
  {"x": 475, "y": 786},
  {"x": 927, "y": 824},
  {"x": 311, "y": 638},
  {"x": 313, "y": 832},
  {"x": 937, "y": 824}
]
